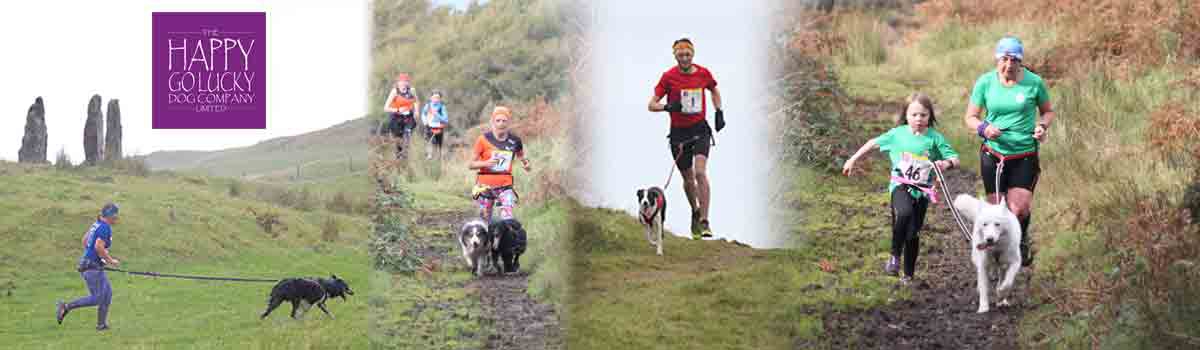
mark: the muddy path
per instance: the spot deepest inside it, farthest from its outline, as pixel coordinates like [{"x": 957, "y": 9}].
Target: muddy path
[
  {"x": 516, "y": 320},
  {"x": 941, "y": 311}
]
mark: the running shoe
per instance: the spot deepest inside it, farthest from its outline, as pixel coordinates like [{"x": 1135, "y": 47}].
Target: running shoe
[
  {"x": 60, "y": 311},
  {"x": 892, "y": 267}
]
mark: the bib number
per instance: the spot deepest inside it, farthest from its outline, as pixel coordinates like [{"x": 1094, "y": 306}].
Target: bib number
[
  {"x": 503, "y": 161},
  {"x": 692, "y": 100},
  {"x": 916, "y": 168}
]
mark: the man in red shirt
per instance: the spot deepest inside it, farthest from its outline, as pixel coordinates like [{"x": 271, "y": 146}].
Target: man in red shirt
[{"x": 691, "y": 136}]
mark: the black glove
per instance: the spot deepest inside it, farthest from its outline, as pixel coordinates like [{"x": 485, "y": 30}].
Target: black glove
[
  {"x": 720, "y": 120},
  {"x": 674, "y": 107}
]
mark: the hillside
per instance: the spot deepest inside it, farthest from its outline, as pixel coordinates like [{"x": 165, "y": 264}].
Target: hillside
[
  {"x": 177, "y": 224},
  {"x": 327, "y": 152},
  {"x": 1114, "y": 266}
]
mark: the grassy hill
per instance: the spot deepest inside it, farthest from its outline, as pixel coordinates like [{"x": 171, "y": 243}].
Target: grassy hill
[
  {"x": 181, "y": 224},
  {"x": 720, "y": 295},
  {"x": 321, "y": 154}
]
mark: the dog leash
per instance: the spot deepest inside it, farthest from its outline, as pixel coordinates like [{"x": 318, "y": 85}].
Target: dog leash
[
  {"x": 190, "y": 277},
  {"x": 672, "y": 172},
  {"x": 962, "y": 225}
]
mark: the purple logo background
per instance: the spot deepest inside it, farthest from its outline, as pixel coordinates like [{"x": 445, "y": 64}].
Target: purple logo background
[{"x": 209, "y": 70}]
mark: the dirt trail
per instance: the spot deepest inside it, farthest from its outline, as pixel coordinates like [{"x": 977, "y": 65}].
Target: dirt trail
[
  {"x": 517, "y": 320},
  {"x": 941, "y": 313}
]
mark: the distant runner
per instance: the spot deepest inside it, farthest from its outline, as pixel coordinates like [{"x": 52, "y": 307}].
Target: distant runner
[
  {"x": 435, "y": 119},
  {"x": 401, "y": 106}
]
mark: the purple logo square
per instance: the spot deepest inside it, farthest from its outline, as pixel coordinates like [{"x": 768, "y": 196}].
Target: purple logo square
[{"x": 209, "y": 70}]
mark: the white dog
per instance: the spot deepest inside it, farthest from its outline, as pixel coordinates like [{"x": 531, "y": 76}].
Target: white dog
[
  {"x": 652, "y": 211},
  {"x": 996, "y": 238},
  {"x": 477, "y": 243}
]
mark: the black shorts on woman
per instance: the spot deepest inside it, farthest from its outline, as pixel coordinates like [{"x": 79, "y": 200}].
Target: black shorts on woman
[
  {"x": 694, "y": 139},
  {"x": 1020, "y": 170},
  {"x": 401, "y": 124}
]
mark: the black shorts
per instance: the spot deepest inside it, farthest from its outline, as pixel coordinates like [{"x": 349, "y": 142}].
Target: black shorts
[
  {"x": 1022, "y": 173},
  {"x": 695, "y": 140},
  {"x": 435, "y": 139},
  {"x": 401, "y": 124}
]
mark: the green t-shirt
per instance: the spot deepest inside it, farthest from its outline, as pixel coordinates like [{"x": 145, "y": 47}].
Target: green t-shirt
[
  {"x": 1013, "y": 109},
  {"x": 900, "y": 140}
]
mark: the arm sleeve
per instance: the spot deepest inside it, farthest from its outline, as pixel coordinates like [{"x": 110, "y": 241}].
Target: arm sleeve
[
  {"x": 387, "y": 103},
  {"x": 480, "y": 149},
  {"x": 105, "y": 233},
  {"x": 661, "y": 88},
  {"x": 712, "y": 82},
  {"x": 884, "y": 141},
  {"x": 1043, "y": 94}
]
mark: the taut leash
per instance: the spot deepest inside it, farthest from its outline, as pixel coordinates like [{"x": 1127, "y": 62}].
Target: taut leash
[{"x": 190, "y": 277}]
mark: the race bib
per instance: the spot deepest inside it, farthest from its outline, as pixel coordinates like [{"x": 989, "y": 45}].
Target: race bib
[
  {"x": 503, "y": 161},
  {"x": 692, "y": 100},
  {"x": 916, "y": 168}
]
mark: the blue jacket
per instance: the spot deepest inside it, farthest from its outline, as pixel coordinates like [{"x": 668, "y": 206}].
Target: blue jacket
[{"x": 439, "y": 118}]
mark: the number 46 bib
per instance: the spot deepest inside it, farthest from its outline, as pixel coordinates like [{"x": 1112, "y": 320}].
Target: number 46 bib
[
  {"x": 692, "y": 100},
  {"x": 915, "y": 168}
]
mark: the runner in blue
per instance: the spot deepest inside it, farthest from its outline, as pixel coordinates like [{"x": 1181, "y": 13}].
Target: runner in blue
[{"x": 96, "y": 244}]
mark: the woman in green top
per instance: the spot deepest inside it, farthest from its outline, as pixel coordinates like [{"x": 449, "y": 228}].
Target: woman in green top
[
  {"x": 1018, "y": 114},
  {"x": 914, "y": 148}
]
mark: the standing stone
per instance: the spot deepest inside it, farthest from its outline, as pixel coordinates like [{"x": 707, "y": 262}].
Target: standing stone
[
  {"x": 93, "y": 133},
  {"x": 33, "y": 145},
  {"x": 112, "y": 134}
]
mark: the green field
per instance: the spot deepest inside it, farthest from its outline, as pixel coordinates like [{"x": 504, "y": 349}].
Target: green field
[{"x": 179, "y": 224}]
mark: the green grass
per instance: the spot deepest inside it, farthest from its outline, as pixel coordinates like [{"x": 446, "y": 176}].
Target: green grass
[
  {"x": 717, "y": 295},
  {"x": 211, "y": 234}
]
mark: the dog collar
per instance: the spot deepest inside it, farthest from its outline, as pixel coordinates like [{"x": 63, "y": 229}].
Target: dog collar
[{"x": 658, "y": 204}]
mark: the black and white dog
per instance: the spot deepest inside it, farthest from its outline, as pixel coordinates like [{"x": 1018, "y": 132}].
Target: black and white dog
[
  {"x": 995, "y": 239},
  {"x": 501, "y": 244},
  {"x": 652, "y": 212},
  {"x": 476, "y": 241},
  {"x": 306, "y": 292}
]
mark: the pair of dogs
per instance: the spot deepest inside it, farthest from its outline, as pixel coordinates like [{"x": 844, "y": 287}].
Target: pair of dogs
[
  {"x": 995, "y": 238},
  {"x": 500, "y": 244}
]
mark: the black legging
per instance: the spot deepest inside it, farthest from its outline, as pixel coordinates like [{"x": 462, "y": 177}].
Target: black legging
[{"x": 908, "y": 214}]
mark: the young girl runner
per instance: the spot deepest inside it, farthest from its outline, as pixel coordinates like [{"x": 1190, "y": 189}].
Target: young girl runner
[{"x": 913, "y": 147}]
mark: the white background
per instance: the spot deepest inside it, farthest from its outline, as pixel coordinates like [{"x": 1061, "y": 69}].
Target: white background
[
  {"x": 632, "y": 50},
  {"x": 65, "y": 51}
]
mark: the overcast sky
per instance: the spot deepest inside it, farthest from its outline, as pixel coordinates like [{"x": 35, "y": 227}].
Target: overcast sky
[
  {"x": 65, "y": 51},
  {"x": 633, "y": 48}
]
